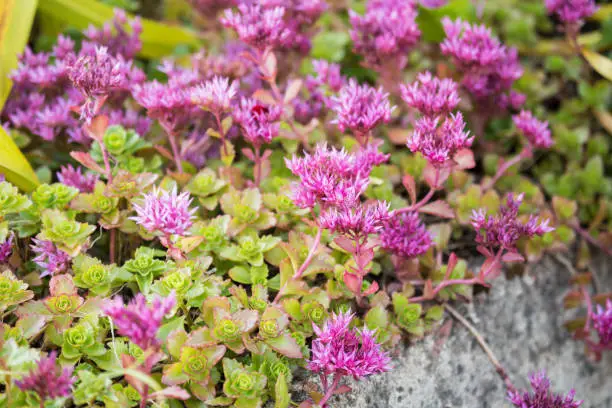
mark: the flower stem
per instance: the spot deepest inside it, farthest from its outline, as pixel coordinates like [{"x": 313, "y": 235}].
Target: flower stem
[
  {"x": 222, "y": 133},
  {"x": 305, "y": 264},
  {"x": 483, "y": 344},
  {"x": 504, "y": 168},
  {"x": 113, "y": 244},
  {"x": 419, "y": 204},
  {"x": 175, "y": 151},
  {"x": 107, "y": 166},
  {"x": 444, "y": 284},
  {"x": 257, "y": 171},
  {"x": 589, "y": 238},
  {"x": 329, "y": 392},
  {"x": 144, "y": 397}
]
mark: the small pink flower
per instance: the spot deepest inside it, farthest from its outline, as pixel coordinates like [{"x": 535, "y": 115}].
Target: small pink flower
[
  {"x": 386, "y": 31},
  {"x": 430, "y": 95},
  {"x": 536, "y": 132},
  {"x": 359, "y": 220},
  {"x": 405, "y": 235},
  {"x": 542, "y": 396},
  {"x": 504, "y": 230},
  {"x": 6, "y": 249},
  {"x": 361, "y": 108},
  {"x": 571, "y": 11},
  {"x": 166, "y": 212},
  {"x": 602, "y": 323},
  {"x": 331, "y": 177},
  {"x": 49, "y": 258},
  {"x": 74, "y": 177},
  {"x": 259, "y": 122},
  {"x": 439, "y": 141},
  {"x": 340, "y": 350},
  {"x": 215, "y": 95},
  {"x": 47, "y": 379},
  {"x": 138, "y": 321},
  {"x": 257, "y": 26}
]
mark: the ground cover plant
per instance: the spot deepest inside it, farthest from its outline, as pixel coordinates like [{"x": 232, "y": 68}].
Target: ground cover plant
[{"x": 199, "y": 202}]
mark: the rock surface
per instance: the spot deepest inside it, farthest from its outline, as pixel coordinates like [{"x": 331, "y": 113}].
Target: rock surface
[{"x": 522, "y": 321}]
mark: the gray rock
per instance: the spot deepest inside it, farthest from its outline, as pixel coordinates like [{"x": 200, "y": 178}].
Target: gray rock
[{"x": 522, "y": 321}]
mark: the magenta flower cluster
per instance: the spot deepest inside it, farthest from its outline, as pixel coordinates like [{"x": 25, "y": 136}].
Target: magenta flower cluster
[
  {"x": 257, "y": 26},
  {"x": 489, "y": 68},
  {"x": 542, "y": 396},
  {"x": 571, "y": 11},
  {"x": 438, "y": 134},
  {"x": 42, "y": 96},
  {"x": 404, "y": 235},
  {"x": 138, "y": 321},
  {"x": 360, "y": 108},
  {"x": 165, "y": 212},
  {"x": 6, "y": 249},
  {"x": 259, "y": 122},
  {"x": 96, "y": 76},
  {"x": 327, "y": 79},
  {"x": 215, "y": 95},
  {"x": 332, "y": 178},
  {"x": 341, "y": 350},
  {"x": 387, "y": 32},
  {"x": 504, "y": 230},
  {"x": 355, "y": 221},
  {"x": 50, "y": 258},
  {"x": 74, "y": 177},
  {"x": 602, "y": 323},
  {"x": 47, "y": 380},
  {"x": 535, "y": 131}
]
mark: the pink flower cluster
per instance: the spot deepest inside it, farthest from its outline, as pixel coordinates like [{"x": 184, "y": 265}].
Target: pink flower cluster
[
  {"x": 340, "y": 350},
  {"x": 571, "y": 11},
  {"x": 49, "y": 258},
  {"x": 215, "y": 95},
  {"x": 259, "y": 122},
  {"x": 48, "y": 380},
  {"x": 74, "y": 177},
  {"x": 6, "y": 249},
  {"x": 42, "y": 96},
  {"x": 405, "y": 235},
  {"x": 165, "y": 212},
  {"x": 504, "y": 230},
  {"x": 361, "y": 108},
  {"x": 438, "y": 134},
  {"x": 602, "y": 323},
  {"x": 332, "y": 178},
  {"x": 542, "y": 396},
  {"x": 489, "y": 68},
  {"x": 387, "y": 32},
  {"x": 355, "y": 221},
  {"x": 257, "y": 26},
  {"x": 138, "y": 321},
  {"x": 535, "y": 131}
]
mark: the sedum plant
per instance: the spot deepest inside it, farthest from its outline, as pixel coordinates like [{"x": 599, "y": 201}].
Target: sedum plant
[{"x": 320, "y": 185}]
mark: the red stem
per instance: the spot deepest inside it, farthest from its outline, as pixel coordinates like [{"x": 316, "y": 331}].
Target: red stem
[
  {"x": 144, "y": 397},
  {"x": 107, "y": 166},
  {"x": 589, "y": 238},
  {"x": 330, "y": 391},
  {"x": 425, "y": 200},
  {"x": 589, "y": 305},
  {"x": 113, "y": 244},
  {"x": 175, "y": 151},
  {"x": 257, "y": 174},
  {"x": 504, "y": 167}
]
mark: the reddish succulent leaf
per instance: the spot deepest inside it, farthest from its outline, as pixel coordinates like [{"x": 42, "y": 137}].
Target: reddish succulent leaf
[
  {"x": 98, "y": 126},
  {"x": 438, "y": 208},
  {"x": 601, "y": 298},
  {"x": 249, "y": 154},
  {"x": 264, "y": 96},
  {"x": 293, "y": 89},
  {"x": 490, "y": 269},
  {"x": 582, "y": 278},
  {"x": 371, "y": 290},
  {"x": 434, "y": 177},
  {"x": 164, "y": 152},
  {"x": 513, "y": 257},
  {"x": 572, "y": 300},
  {"x": 87, "y": 161},
  {"x": 353, "y": 282},
  {"x": 174, "y": 392},
  {"x": 464, "y": 159},
  {"x": 410, "y": 185}
]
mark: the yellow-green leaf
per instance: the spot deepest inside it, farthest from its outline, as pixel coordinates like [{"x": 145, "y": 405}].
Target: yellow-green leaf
[
  {"x": 601, "y": 64},
  {"x": 158, "y": 39},
  {"x": 16, "y": 18},
  {"x": 14, "y": 165}
]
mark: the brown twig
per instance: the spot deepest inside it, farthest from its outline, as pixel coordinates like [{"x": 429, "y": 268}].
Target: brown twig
[{"x": 483, "y": 344}]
